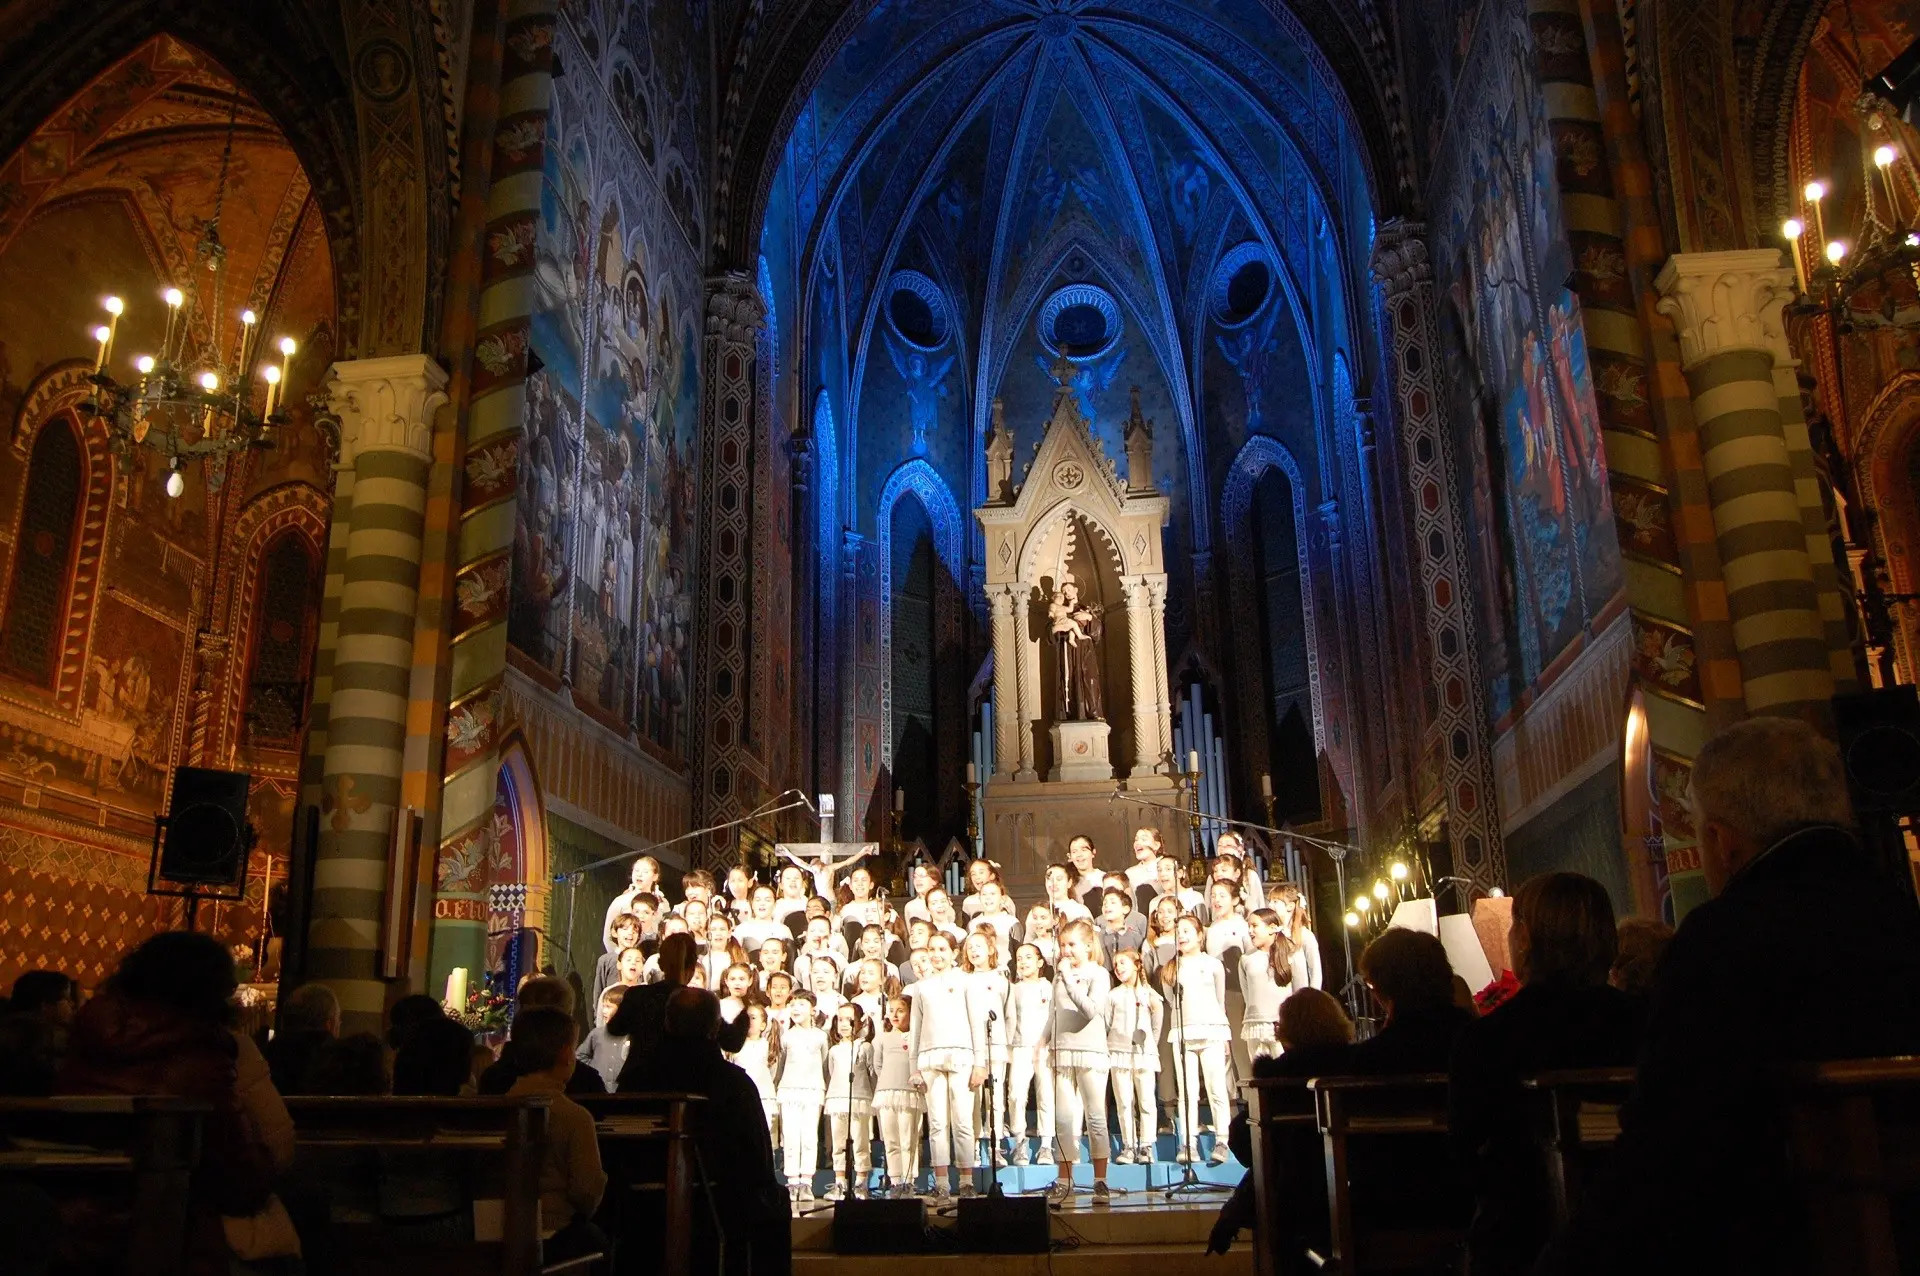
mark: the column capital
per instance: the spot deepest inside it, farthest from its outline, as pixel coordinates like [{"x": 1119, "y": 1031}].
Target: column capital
[
  {"x": 1400, "y": 260},
  {"x": 735, "y": 310},
  {"x": 386, "y": 404},
  {"x": 1726, "y": 302}
]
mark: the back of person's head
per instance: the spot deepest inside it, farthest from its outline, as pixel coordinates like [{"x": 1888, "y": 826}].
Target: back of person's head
[
  {"x": 1311, "y": 1018},
  {"x": 355, "y": 1064},
  {"x": 1563, "y": 932},
  {"x": 37, "y": 991},
  {"x": 1769, "y": 776},
  {"x": 540, "y": 1038},
  {"x": 678, "y": 953},
  {"x": 183, "y": 970},
  {"x": 1409, "y": 970},
  {"x": 409, "y": 1012},
  {"x": 693, "y": 1013},
  {"x": 311, "y": 1008},
  {"x": 437, "y": 1059},
  {"x": 1643, "y": 940},
  {"x": 546, "y": 992}
]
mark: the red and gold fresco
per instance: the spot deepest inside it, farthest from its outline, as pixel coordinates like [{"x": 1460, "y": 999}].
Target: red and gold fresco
[{"x": 111, "y": 196}]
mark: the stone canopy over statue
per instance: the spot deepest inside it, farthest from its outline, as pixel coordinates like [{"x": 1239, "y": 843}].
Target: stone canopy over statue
[{"x": 1077, "y": 589}]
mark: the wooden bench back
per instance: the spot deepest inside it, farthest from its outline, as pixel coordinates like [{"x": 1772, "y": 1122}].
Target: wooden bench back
[
  {"x": 107, "y": 1158},
  {"x": 1575, "y": 1116},
  {"x": 1388, "y": 1123},
  {"x": 654, "y": 1188},
  {"x": 1853, "y": 1133},
  {"x": 491, "y": 1146},
  {"x": 1288, "y": 1187}
]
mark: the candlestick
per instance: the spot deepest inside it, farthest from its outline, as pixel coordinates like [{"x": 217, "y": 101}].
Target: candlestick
[
  {"x": 271, "y": 375},
  {"x": 103, "y": 335},
  {"x": 1792, "y": 229},
  {"x": 287, "y": 347}
]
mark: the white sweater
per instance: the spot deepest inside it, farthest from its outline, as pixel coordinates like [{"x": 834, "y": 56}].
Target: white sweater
[
  {"x": 895, "y": 1061},
  {"x": 1306, "y": 963},
  {"x": 1262, "y": 993},
  {"x": 1136, "y": 1015},
  {"x": 988, "y": 992},
  {"x": 803, "y": 1066},
  {"x": 1198, "y": 1000},
  {"x": 1080, "y": 1015},
  {"x": 844, "y": 1057},
  {"x": 753, "y": 1061},
  {"x": 944, "y": 1020},
  {"x": 1030, "y": 1015}
]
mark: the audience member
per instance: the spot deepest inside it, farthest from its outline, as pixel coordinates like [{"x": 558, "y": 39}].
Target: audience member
[
  {"x": 538, "y": 992},
  {"x": 571, "y": 1178},
  {"x": 309, "y": 1019},
  {"x": 436, "y": 1060},
  {"x": 641, "y": 1018},
  {"x": 355, "y": 1064},
  {"x": 1408, "y": 973},
  {"x": 411, "y": 1010},
  {"x": 1564, "y": 1016},
  {"x": 160, "y": 1026},
  {"x": 34, "y": 1028},
  {"x": 1643, "y": 941},
  {"x": 1800, "y": 917},
  {"x": 736, "y": 1147}
]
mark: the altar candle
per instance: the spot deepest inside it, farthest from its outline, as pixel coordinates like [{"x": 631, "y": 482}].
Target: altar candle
[
  {"x": 1193, "y": 761},
  {"x": 899, "y": 800},
  {"x": 1266, "y": 786},
  {"x": 973, "y": 774},
  {"x": 457, "y": 988}
]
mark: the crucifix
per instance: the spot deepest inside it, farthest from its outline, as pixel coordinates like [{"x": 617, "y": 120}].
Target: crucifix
[{"x": 825, "y": 859}]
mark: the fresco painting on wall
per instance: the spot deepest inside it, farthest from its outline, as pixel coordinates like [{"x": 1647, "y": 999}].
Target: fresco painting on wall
[
  {"x": 603, "y": 547},
  {"x": 1518, "y": 369}
]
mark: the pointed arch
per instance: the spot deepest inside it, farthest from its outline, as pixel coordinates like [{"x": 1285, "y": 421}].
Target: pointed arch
[
  {"x": 919, "y": 478},
  {"x": 1259, "y": 454}
]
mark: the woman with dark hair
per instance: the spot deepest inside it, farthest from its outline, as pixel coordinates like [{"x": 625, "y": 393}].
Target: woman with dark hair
[
  {"x": 1564, "y": 1016},
  {"x": 161, "y": 1025},
  {"x": 437, "y": 1059}
]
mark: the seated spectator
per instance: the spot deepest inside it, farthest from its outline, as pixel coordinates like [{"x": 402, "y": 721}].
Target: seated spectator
[
  {"x": 735, "y": 1146},
  {"x": 160, "y": 1025},
  {"x": 571, "y": 1178},
  {"x": 352, "y": 1065},
  {"x": 1408, "y": 974},
  {"x": 1643, "y": 941},
  {"x": 436, "y": 1060},
  {"x": 1807, "y": 951},
  {"x": 34, "y": 1026},
  {"x": 412, "y": 1009},
  {"x": 309, "y": 1019},
  {"x": 540, "y": 992},
  {"x": 641, "y": 1018},
  {"x": 605, "y": 1054},
  {"x": 1564, "y": 1016}
]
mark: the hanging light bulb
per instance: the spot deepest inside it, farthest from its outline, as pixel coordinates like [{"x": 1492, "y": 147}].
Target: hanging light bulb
[{"x": 176, "y": 482}]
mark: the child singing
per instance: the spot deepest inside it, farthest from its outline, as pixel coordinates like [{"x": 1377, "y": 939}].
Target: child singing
[
  {"x": 850, "y": 1068},
  {"x": 801, "y": 1087},
  {"x": 987, "y": 990},
  {"x": 1135, "y": 1018},
  {"x": 1029, "y": 1030},
  {"x": 1080, "y": 1059},
  {"x": 949, "y": 1059},
  {"x": 1196, "y": 985},
  {"x": 896, "y": 1101}
]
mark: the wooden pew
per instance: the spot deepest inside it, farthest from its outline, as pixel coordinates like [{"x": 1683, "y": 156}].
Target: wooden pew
[
  {"x": 1286, "y": 1137},
  {"x": 1576, "y": 1121},
  {"x": 488, "y": 1151},
  {"x": 1377, "y": 1126},
  {"x": 654, "y": 1182},
  {"x": 106, "y": 1158},
  {"x": 1853, "y": 1136}
]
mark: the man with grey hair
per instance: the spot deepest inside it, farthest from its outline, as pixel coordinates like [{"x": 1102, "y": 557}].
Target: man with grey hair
[{"x": 1806, "y": 951}]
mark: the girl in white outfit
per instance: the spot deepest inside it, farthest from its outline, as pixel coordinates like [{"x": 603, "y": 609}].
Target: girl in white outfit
[
  {"x": 949, "y": 1060},
  {"x": 1135, "y": 1018},
  {"x": 850, "y": 1067},
  {"x": 896, "y": 1101},
  {"x": 756, "y": 1057},
  {"x": 1197, "y": 988},
  {"x": 1080, "y": 1058},
  {"x": 980, "y": 959},
  {"x": 1030, "y": 1032},
  {"x": 1266, "y": 979},
  {"x": 1305, "y": 960},
  {"x": 801, "y": 1087}
]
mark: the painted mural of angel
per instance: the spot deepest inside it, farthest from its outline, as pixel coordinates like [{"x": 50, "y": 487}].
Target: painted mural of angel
[
  {"x": 926, "y": 386},
  {"x": 1088, "y": 379},
  {"x": 1248, "y": 350}
]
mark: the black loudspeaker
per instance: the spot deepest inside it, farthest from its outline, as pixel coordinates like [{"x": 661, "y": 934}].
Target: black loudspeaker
[
  {"x": 880, "y": 1227},
  {"x": 1003, "y": 1225},
  {"x": 207, "y": 834},
  {"x": 1880, "y": 743}
]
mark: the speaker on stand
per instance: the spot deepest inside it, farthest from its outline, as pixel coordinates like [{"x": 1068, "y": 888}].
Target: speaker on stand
[
  {"x": 202, "y": 844},
  {"x": 1880, "y": 745}
]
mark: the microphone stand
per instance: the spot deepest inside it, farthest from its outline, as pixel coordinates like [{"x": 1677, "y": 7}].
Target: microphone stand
[
  {"x": 853, "y": 1061},
  {"x": 993, "y": 1144}
]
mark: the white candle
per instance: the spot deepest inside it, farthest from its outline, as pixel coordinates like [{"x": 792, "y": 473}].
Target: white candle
[
  {"x": 899, "y": 800},
  {"x": 973, "y": 774},
  {"x": 457, "y": 988},
  {"x": 1193, "y": 760},
  {"x": 1266, "y": 786}
]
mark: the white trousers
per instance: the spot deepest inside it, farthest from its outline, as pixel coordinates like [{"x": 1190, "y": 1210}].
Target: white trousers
[
  {"x": 990, "y": 1115},
  {"x": 1202, "y": 1063},
  {"x": 1030, "y": 1070},
  {"x": 1134, "y": 1099},
  {"x": 1080, "y": 1094},
  {"x": 862, "y": 1143},
  {"x": 800, "y": 1140},
  {"x": 949, "y": 1117},
  {"x": 900, "y": 1135}
]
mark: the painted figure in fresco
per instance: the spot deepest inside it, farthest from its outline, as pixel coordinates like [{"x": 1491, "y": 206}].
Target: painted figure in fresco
[
  {"x": 1075, "y": 629},
  {"x": 1248, "y": 350},
  {"x": 926, "y": 386}
]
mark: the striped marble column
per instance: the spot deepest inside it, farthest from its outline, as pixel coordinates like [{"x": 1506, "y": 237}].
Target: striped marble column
[
  {"x": 385, "y": 407},
  {"x": 1726, "y": 307}
]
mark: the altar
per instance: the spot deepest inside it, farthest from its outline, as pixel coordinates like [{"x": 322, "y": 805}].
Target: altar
[{"x": 1077, "y": 589}]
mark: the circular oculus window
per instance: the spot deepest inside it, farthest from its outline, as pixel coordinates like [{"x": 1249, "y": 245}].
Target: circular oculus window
[
  {"x": 1080, "y": 321},
  {"x": 917, "y": 310}
]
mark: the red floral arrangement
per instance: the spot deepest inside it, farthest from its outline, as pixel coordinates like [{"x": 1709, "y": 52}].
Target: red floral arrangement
[{"x": 1495, "y": 994}]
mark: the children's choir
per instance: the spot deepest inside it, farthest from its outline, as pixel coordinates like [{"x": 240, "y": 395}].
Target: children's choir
[{"x": 961, "y": 1023}]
